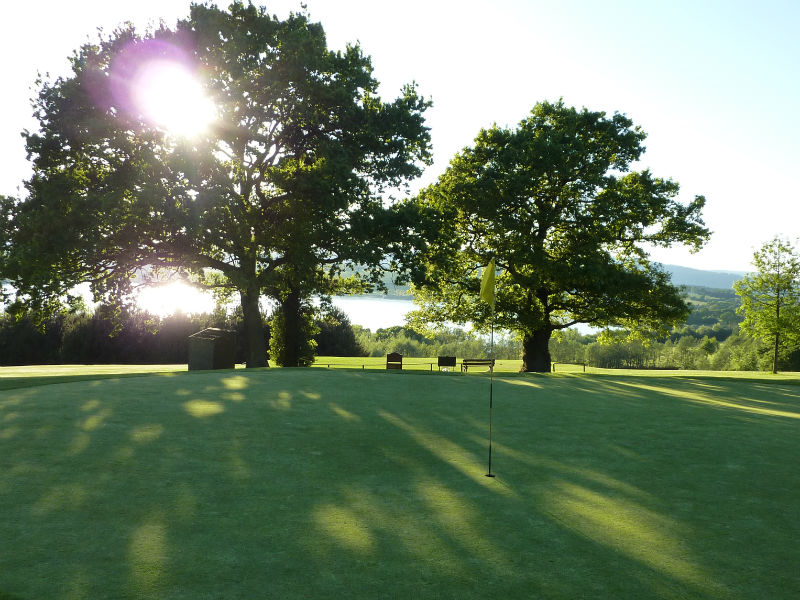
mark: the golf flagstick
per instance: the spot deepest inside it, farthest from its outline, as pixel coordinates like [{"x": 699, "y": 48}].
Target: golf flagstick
[
  {"x": 491, "y": 386},
  {"x": 488, "y": 296}
]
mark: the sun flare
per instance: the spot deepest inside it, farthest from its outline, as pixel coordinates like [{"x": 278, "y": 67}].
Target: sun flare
[
  {"x": 168, "y": 299},
  {"x": 170, "y": 96}
]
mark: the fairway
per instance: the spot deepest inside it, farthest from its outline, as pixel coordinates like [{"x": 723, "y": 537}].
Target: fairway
[{"x": 343, "y": 483}]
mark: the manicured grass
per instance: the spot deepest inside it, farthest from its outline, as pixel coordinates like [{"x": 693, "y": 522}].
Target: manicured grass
[
  {"x": 513, "y": 366},
  {"x": 333, "y": 483},
  {"x": 409, "y": 364},
  {"x": 28, "y": 376}
]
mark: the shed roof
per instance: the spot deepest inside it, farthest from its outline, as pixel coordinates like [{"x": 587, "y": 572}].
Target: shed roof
[{"x": 211, "y": 333}]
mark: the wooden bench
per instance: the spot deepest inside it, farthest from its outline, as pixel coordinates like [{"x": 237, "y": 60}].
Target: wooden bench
[
  {"x": 394, "y": 361},
  {"x": 447, "y": 361},
  {"x": 466, "y": 363}
]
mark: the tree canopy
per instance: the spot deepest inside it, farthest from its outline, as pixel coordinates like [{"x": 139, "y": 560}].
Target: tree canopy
[
  {"x": 771, "y": 297},
  {"x": 554, "y": 202},
  {"x": 282, "y": 187}
]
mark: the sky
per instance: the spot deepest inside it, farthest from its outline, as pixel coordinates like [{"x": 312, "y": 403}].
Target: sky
[{"x": 715, "y": 84}]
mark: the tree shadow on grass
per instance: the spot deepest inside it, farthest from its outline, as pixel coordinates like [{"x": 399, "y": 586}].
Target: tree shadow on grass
[{"x": 299, "y": 484}]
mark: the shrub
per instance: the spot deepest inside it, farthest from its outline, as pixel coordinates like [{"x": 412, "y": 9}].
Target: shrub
[{"x": 336, "y": 336}]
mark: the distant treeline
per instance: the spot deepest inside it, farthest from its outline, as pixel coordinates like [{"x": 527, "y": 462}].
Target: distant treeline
[
  {"x": 449, "y": 342},
  {"x": 709, "y": 340},
  {"x": 99, "y": 337},
  {"x": 736, "y": 353}
]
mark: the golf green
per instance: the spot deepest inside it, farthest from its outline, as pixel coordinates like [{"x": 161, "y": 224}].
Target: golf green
[{"x": 332, "y": 483}]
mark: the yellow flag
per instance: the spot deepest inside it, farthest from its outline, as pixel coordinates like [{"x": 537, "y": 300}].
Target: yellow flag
[{"x": 487, "y": 284}]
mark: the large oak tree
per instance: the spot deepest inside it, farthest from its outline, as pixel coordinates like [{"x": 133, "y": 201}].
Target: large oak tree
[
  {"x": 283, "y": 186},
  {"x": 554, "y": 203}
]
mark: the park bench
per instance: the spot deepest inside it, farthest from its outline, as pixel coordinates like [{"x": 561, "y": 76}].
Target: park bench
[
  {"x": 394, "y": 361},
  {"x": 466, "y": 363},
  {"x": 447, "y": 361}
]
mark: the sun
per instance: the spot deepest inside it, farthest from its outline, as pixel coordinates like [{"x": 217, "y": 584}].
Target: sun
[
  {"x": 168, "y": 299},
  {"x": 170, "y": 96}
]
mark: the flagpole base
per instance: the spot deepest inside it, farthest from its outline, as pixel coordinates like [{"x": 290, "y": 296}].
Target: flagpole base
[{"x": 490, "y": 475}]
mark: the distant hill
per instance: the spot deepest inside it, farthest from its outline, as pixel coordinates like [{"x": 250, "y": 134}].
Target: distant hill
[
  {"x": 680, "y": 276},
  {"x": 697, "y": 277}
]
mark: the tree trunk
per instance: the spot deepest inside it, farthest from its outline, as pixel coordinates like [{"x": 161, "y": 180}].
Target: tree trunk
[
  {"x": 536, "y": 351},
  {"x": 777, "y": 333},
  {"x": 290, "y": 307},
  {"x": 775, "y": 354},
  {"x": 256, "y": 347}
]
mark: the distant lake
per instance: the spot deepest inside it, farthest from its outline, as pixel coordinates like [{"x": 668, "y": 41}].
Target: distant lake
[
  {"x": 371, "y": 312},
  {"x": 374, "y": 313}
]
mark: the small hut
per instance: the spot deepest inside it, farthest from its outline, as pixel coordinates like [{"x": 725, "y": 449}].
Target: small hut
[{"x": 212, "y": 348}]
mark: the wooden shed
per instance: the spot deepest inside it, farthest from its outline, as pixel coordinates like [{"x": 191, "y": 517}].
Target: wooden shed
[{"x": 212, "y": 348}]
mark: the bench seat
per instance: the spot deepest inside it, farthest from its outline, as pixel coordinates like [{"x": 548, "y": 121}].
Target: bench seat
[{"x": 466, "y": 363}]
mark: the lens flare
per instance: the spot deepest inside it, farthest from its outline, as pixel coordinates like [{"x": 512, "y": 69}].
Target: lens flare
[
  {"x": 157, "y": 82},
  {"x": 169, "y": 299},
  {"x": 171, "y": 97}
]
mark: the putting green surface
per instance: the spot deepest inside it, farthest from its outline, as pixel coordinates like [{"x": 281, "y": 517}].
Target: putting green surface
[{"x": 333, "y": 483}]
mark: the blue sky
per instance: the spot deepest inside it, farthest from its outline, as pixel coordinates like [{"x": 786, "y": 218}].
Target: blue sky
[{"x": 714, "y": 84}]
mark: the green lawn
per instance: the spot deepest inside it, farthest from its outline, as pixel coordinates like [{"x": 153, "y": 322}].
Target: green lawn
[
  {"x": 29, "y": 376},
  {"x": 343, "y": 483}
]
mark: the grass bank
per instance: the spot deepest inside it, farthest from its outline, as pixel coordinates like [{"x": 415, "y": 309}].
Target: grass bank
[{"x": 327, "y": 483}]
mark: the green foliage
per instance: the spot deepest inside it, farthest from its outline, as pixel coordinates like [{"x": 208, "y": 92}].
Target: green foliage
[
  {"x": 737, "y": 352},
  {"x": 23, "y": 341},
  {"x": 284, "y": 188},
  {"x": 292, "y": 332},
  {"x": 554, "y": 203},
  {"x": 709, "y": 345},
  {"x": 712, "y": 306},
  {"x": 103, "y": 337},
  {"x": 620, "y": 355},
  {"x": 569, "y": 346},
  {"x": 713, "y": 313},
  {"x": 335, "y": 335},
  {"x": 770, "y": 298},
  {"x": 445, "y": 341}
]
